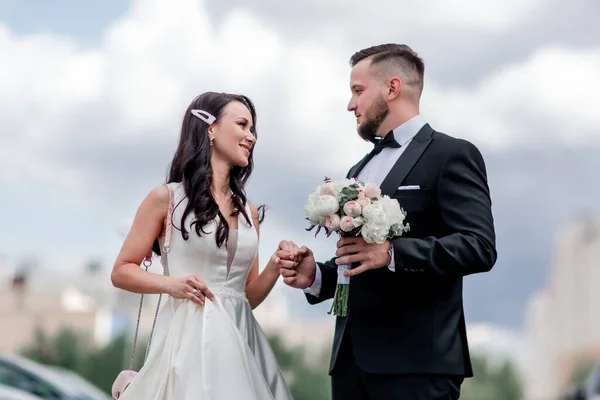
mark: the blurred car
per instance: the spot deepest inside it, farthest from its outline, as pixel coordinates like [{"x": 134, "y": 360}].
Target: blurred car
[
  {"x": 9, "y": 393},
  {"x": 77, "y": 381},
  {"x": 46, "y": 382}
]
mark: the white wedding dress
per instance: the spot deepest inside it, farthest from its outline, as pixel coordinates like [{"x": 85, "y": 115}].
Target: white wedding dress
[{"x": 215, "y": 352}]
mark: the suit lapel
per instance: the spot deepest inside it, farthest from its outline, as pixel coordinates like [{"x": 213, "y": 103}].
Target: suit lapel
[
  {"x": 407, "y": 160},
  {"x": 358, "y": 167}
]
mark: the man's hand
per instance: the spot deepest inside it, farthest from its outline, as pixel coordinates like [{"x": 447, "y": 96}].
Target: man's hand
[
  {"x": 297, "y": 265},
  {"x": 356, "y": 250}
]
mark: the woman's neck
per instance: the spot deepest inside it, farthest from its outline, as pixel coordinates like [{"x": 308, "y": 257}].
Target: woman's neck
[{"x": 220, "y": 179}]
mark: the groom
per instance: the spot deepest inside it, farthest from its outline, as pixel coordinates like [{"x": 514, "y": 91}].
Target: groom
[{"x": 405, "y": 336}]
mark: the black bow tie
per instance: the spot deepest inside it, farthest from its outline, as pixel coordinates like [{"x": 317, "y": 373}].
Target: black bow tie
[{"x": 387, "y": 141}]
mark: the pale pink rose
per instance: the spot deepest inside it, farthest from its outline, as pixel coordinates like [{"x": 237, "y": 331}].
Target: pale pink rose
[
  {"x": 347, "y": 224},
  {"x": 365, "y": 201},
  {"x": 361, "y": 193},
  {"x": 372, "y": 191},
  {"x": 328, "y": 189},
  {"x": 352, "y": 209},
  {"x": 332, "y": 222}
]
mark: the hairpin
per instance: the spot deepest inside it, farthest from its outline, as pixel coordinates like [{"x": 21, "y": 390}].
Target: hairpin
[{"x": 204, "y": 116}]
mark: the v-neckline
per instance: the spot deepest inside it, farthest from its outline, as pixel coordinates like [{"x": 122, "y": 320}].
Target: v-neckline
[{"x": 232, "y": 245}]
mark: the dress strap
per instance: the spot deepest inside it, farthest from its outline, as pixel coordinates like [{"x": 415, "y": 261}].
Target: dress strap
[
  {"x": 168, "y": 227},
  {"x": 169, "y": 221}
]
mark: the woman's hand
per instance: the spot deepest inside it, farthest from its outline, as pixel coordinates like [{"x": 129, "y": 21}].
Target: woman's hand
[
  {"x": 189, "y": 288},
  {"x": 286, "y": 249}
]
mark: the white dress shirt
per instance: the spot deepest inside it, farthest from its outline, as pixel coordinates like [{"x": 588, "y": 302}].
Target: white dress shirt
[{"x": 375, "y": 172}]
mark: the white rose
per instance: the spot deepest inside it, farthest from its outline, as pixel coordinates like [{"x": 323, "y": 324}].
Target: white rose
[
  {"x": 372, "y": 191},
  {"x": 364, "y": 201},
  {"x": 374, "y": 233},
  {"x": 326, "y": 205},
  {"x": 332, "y": 222},
  {"x": 352, "y": 209},
  {"x": 328, "y": 189},
  {"x": 310, "y": 209},
  {"x": 376, "y": 226},
  {"x": 348, "y": 224},
  {"x": 392, "y": 210},
  {"x": 374, "y": 214}
]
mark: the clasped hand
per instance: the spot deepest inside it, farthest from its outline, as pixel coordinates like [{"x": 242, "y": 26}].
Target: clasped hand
[{"x": 297, "y": 264}]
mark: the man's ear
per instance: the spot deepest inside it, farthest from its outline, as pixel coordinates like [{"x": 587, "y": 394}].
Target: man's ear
[{"x": 394, "y": 88}]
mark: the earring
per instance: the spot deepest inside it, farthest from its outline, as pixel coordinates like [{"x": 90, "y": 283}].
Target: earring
[{"x": 211, "y": 140}]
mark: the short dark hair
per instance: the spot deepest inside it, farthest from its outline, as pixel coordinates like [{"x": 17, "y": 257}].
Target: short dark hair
[{"x": 394, "y": 55}]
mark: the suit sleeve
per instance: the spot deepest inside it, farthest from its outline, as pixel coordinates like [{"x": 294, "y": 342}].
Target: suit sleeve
[
  {"x": 328, "y": 282},
  {"x": 465, "y": 207}
]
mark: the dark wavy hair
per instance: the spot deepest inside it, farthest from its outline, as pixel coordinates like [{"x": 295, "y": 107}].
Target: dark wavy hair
[{"x": 191, "y": 166}]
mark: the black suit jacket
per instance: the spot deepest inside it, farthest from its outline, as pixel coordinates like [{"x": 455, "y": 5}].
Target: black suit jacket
[{"x": 411, "y": 320}]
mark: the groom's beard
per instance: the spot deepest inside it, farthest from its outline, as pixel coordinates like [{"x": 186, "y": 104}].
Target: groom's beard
[{"x": 368, "y": 129}]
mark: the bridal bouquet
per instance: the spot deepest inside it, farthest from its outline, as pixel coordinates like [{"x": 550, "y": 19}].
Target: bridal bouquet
[{"x": 351, "y": 208}]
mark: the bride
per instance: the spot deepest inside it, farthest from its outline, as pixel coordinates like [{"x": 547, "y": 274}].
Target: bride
[{"x": 206, "y": 344}]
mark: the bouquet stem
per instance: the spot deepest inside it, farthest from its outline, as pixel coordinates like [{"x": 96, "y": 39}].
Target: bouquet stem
[{"x": 340, "y": 299}]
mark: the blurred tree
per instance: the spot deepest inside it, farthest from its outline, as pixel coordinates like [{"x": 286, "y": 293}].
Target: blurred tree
[
  {"x": 581, "y": 371},
  {"x": 65, "y": 349},
  {"x": 492, "y": 382},
  {"x": 105, "y": 363},
  {"x": 310, "y": 384},
  {"x": 100, "y": 366},
  {"x": 73, "y": 351},
  {"x": 307, "y": 380},
  {"x": 287, "y": 358},
  {"x": 577, "y": 379}
]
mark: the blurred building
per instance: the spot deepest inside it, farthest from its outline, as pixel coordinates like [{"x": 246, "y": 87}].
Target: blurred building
[
  {"x": 314, "y": 335},
  {"x": 33, "y": 298},
  {"x": 84, "y": 299},
  {"x": 563, "y": 319}
]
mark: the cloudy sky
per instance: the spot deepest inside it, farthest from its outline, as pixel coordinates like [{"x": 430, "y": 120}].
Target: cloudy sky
[{"x": 92, "y": 95}]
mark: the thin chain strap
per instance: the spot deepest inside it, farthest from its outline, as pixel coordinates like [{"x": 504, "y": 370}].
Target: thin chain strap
[
  {"x": 163, "y": 261},
  {"x": 147, "y": 264},
  {"x": 137, "y": 325}
]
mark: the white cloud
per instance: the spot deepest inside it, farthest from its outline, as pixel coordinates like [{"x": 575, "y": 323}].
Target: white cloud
[
  {"x": 158, "y": 56},
  {"x": 404, "y": 17},
  {"x": 74, "y": 118},
  {"x": 245, "y": 42},
  {"x": 69, "y": 113},
  {"x": 42, "y": 79},
  {"x": 549, "y": 97},
  {"x": 498, "y": 342},
  {"x": 479, "y": 14},
  {"x": 137, "y": 84},
  {"x": 318, "y": 92}
]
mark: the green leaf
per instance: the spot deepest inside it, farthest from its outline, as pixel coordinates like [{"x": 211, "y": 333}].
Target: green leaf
[{"x": 348, "y": 194}]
